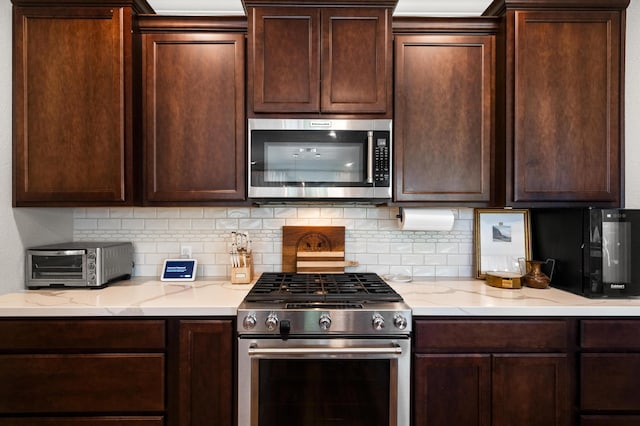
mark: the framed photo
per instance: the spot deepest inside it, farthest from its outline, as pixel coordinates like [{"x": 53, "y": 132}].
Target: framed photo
[{"x": 502, "y": 240}]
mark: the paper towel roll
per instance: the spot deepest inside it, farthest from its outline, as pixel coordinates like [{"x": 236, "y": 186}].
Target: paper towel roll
[{"x": 415, "y": 219}]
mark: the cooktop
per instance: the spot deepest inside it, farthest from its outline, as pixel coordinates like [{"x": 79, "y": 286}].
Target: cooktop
[{"x": 348, "y": 287}]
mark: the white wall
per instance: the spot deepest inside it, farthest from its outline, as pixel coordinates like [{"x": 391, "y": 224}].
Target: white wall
[
  {"x": 20, "y": 228},
  {"x": 632, "y": 113}
]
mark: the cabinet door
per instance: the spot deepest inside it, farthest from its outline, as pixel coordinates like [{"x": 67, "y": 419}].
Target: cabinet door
[
  {"x": 84, "y": 421},
  {"x": 205, "y": 378},
  {"x": 284, "y": 59},
  {"x": 567, "y": 101},
  {"x": 609, "y": 381},
  {"x": 356, "y": 60},
  {"x": 452, "y": 390},
  {"x": 194, "y": 120},
  {"x": 530, "y": 390},
  {"x": 72, "y": 100},
  {"x": 82, "y": 383},
  {"x": 444, "y": 115}
]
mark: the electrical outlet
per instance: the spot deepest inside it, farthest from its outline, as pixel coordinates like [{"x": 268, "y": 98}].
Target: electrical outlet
[{"x": 185, "y": 251}]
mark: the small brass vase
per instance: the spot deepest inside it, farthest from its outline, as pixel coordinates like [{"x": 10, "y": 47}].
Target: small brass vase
[{"x": 534, "y": 277}]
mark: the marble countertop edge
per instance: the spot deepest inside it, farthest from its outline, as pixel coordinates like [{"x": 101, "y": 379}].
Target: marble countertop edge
[{"x": 149, "y": 297}]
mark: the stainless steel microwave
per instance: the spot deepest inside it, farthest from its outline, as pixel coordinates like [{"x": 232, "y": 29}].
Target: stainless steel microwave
[
  {"x": 78, "y": 264},
  {"x": 320, "y": 159}
]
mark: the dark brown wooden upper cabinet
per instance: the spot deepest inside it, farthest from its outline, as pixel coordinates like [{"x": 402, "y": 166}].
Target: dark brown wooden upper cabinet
[
  {"x": 73, "y": 133},
  {"x": 444, "y": 110},
  {"x": 320, "y": 58},
  {"x": 193, "y": 84},
  {"x": 561, "y": 96}
]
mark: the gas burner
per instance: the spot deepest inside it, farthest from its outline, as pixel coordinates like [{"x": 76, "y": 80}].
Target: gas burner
[{"x": 345, "y": 288}]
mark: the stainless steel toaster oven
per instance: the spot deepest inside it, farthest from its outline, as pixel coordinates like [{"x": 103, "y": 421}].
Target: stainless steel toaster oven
[{"x": 78, "y": 264}]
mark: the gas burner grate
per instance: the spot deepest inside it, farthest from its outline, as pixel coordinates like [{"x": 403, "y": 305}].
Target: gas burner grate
[{"x": 349, "y": 287}]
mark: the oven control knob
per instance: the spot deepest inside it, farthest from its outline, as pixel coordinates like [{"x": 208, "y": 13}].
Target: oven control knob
[
  {"x": 400, "y": 321},
  {"x": 377, "y": 322},
  {"x": 249, "y": 321},
  {"x": 271, "y": 322},
  {"x": 325, "y": 321}
]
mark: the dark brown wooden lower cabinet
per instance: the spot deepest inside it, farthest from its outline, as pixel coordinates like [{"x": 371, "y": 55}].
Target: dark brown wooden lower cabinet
[
  {"x": 530, "y": 389},
  {"x": 452, "y": 390},
  {"x": 204, "y": 394},
  {"x": 498, "y": 389},
  {"x": 610, "y": 381},
  {"x": 609, "y": 372},
  {"x": 610, "y": 420},
  {"x": 84, "y": 421},
  {"x": 492, "y": 372},
  {"x": 80, "y": 383}
]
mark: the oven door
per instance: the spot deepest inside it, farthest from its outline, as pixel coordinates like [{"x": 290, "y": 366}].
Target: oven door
[
  {"x": 56, "y": 267},
  {"x": 313, "y": 382}
]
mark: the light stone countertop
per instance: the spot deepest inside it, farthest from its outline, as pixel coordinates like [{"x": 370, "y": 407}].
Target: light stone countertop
[
  {"x": 136, "y": 297},
  {"x": 145, "y": 296},
  {"x": 469, "y": 297}
]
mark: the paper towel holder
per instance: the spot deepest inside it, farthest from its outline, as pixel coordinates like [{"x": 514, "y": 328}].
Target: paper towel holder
[{"x": 428, "y": 219}]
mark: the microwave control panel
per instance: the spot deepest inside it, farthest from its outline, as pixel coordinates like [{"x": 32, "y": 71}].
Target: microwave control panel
[{"x": 382, "y": 162}]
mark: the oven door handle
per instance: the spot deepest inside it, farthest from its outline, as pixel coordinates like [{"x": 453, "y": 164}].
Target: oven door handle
[{"x": 391, "y": 350}]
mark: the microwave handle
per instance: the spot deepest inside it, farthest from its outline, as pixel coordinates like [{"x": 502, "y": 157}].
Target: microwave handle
[{"x": 370, "y": 157}]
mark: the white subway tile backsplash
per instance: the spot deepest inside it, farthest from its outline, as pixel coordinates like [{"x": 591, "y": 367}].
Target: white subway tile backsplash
[
  {"x": 192, "y": 212},
  {"x": 202, "y": 224},
  {"x": 149, "y": 212},
  {"x": 308, "y": 213},
  {"x": 85, "y": 224},
  {"x": 243, "y": 212},
  {"x": 156, "y": 224},
  {"x": 121, "y": 212},
  {"x": 423, "y": 248},
  {"x": 447, "y": 247},
  {"x": 215, "y": 213},
  {"x": 355, "y": 213},
  {"x": 179, "y": 224},
  {"x": 132, "y": 224},
  {"x": 98, "y": 213},
  {"x": 372, "y": 237},
  {"x": 285, "y": 212},
  {"x": 227, "y": 224},
  {"x": 250, "y": 223},
  {"x": 263, "y": 213}
]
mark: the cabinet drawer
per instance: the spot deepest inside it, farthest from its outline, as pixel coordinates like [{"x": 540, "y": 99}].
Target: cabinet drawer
[
  {"x": 610, "y": 420},
  {"x": 105, "y": 335},
  {"x": 610, "y": 381},
  {"x": 490, "y": 335},
  {"x": 104, "y": 383},
  {"x": 84, "y": 421},
  {"x": 610, "y": 334}
]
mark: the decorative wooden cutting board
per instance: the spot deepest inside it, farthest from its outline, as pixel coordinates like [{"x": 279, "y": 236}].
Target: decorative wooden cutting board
[{"x": 309, "y": 249}]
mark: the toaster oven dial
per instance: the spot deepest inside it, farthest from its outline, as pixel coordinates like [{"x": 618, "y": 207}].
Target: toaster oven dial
[{"x": 271, "y": 322}]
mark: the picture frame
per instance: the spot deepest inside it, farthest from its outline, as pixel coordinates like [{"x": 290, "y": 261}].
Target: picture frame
[{"x": 502, "y": 240}]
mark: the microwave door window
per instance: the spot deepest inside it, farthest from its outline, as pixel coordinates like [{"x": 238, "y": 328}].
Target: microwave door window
[
  {"x": 616, "y": 252},
  {"x": 309, "y": 163}
]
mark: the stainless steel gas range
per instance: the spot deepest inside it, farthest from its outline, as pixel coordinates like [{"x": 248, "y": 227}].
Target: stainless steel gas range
[{"x": 323, "y": 349}]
